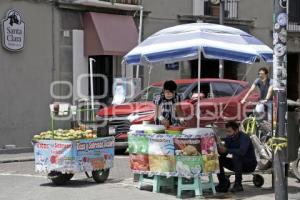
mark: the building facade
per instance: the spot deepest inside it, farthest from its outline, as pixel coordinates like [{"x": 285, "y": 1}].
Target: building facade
[{"x": 53, "y": 66}]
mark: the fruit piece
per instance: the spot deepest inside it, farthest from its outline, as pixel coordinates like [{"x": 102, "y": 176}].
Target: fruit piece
[{"x": 36, "y": 137}]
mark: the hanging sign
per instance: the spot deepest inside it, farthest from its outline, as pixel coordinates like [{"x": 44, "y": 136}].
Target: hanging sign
[{"x": 13, "y": 31}]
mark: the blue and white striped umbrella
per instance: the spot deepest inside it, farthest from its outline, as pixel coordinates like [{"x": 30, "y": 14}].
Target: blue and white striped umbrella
[{"x": 183, "y": 42}]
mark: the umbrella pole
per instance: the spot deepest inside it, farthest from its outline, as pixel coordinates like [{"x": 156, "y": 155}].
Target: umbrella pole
[
  {"x": 198, "y": 96},
  {"x": 223, "y": 3},
  {"x": 140, "y": 36}
]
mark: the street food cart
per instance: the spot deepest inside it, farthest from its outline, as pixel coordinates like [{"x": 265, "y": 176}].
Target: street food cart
[
  {"x": 182, "y": 43},
  {"x": 62, "y": 153},
  {"x": 162, "y": 156}
]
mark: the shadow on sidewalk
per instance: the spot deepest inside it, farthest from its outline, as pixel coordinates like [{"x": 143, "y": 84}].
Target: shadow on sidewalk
[
  {"x": 81, "y": 183},
  {"x": 250, "y": 191}
]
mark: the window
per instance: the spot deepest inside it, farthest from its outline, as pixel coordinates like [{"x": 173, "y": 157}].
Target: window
[
  {"x": 204, "y": 88},
  {"x": 294, "y": 14},
  {"x": 230, "y": 6},
  {"x": 238, "y": 88},
  {"x": 222, "y": 89},
  {"x": 149, "y": 93}
]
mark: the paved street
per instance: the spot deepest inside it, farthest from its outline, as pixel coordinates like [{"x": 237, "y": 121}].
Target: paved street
[{"x": 19, "y": 181}]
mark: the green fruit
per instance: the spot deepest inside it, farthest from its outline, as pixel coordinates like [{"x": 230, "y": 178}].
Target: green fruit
[
  {"x": 36, "y": 137},
  {"x": 43, "y": 133},
  {"x": 48, "y": 137}
]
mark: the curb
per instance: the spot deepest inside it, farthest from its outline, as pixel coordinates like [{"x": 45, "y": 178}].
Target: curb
[
  {"x": 16, "y": 150},
  {"x": 16, "y": 160}
]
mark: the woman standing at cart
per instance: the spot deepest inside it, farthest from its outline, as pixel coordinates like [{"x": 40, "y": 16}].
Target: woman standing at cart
[{"x": 168, "y": 112}]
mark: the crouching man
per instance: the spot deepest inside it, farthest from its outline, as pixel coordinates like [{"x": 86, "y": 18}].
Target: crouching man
[{"x": 243, "y": 159}]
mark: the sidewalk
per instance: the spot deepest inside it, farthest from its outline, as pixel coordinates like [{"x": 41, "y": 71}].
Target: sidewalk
[{"x": 20, "y": 157}]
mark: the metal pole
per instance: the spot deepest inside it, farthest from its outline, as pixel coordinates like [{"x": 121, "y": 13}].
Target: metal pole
[
  {"x": 92, "y": 60},
  {"x": 140, "y": 36},
  {"x": 221, "y": 17},
  {"x": 198, "y": 97},
  {"x": 280, "y": 20}
]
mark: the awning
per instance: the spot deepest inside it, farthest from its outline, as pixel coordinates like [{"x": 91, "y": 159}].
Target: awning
[{"x": 108, "y": 34}]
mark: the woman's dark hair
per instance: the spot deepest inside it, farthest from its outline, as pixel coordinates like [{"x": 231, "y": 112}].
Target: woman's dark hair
[
  {"x": 170, "y": 85},
  {"x": 233, "y": 125},
  {"x": 264, "y": 70}
]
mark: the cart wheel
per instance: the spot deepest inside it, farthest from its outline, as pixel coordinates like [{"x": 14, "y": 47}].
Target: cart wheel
[
  {"x": 59, "y": 178},
  {"x": 100, "y": 176},
  {"x": 258, "y": 180}
]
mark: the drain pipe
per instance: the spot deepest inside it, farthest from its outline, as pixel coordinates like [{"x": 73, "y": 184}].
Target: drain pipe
[{"x": 140, "y": 36}]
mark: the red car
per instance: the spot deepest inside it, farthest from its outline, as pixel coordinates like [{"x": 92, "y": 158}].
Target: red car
[{"x": 220, "y": 102}]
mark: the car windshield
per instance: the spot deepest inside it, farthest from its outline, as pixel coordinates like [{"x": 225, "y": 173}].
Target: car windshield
[{"x": 155, "y": 90}]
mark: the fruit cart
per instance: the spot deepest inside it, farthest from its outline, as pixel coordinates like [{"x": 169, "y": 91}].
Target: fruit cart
[{"x": 62, "y": 153}]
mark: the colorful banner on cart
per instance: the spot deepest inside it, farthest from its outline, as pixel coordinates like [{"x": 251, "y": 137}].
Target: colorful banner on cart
[
  {"x": 169, "y": 155},
  {"x": 74, "y": 156}
]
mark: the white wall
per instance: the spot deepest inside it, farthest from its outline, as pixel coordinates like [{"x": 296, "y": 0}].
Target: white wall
[
  {"x": 80, "y": 66},
  {"x": 25, "y": 77}
]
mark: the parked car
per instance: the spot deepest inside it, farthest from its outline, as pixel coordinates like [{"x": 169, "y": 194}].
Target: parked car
[{"x": 220, "y": 102}]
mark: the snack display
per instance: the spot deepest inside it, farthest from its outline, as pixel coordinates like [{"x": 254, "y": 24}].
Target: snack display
[{"x": 184, "y": 155}]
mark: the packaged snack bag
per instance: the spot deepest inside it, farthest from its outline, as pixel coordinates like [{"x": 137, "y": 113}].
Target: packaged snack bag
[
  {"x": 188, "y": 156},
  {"x": 187, "y": 146},
  {"x": 211, "y": 163},
  {"x": 208, "y": 145},
  {"x": 162, "y": 163},
  {"x": 189, "y": 166},
  {"x": 161, "y": 145},
  {"x": 139, "y": 162},
  {"x": 138, "y": 144}
]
